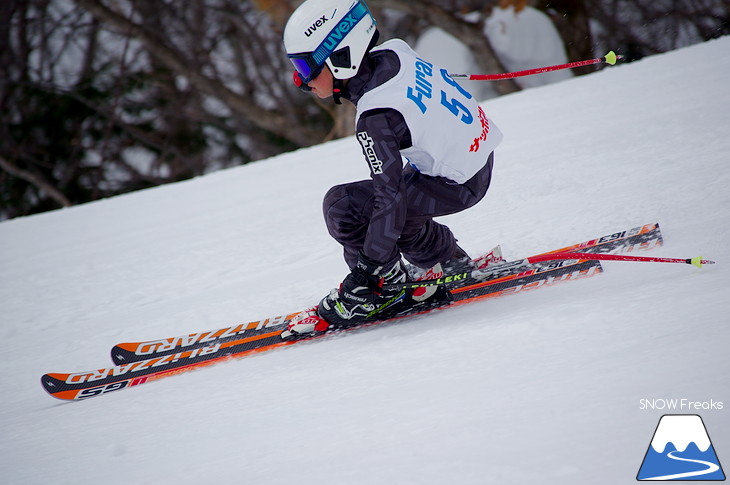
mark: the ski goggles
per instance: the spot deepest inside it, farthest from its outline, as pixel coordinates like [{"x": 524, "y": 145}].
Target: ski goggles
[
  {"x": 307, "y": 69},
  {"x": 309, "y": 65}
]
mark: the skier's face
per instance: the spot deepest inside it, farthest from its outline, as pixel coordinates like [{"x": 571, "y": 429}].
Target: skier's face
[{"x": 323, "y": 84}]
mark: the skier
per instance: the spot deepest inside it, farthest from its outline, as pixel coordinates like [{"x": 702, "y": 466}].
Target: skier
[{"x": 408, "y": 110}]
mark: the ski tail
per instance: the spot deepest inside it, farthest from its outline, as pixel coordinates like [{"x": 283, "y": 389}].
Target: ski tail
[{"x": 125, "y": 353}]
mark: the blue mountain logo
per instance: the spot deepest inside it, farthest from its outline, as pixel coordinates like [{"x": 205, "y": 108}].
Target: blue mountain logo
[{"x": 681, "y": 450}]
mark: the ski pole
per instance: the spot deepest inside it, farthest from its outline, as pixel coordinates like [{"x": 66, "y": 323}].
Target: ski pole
[
  {"x": 526, "y": 262},
  {"x": 697, "y": 261},
  {"x": 609, "y": 58}
]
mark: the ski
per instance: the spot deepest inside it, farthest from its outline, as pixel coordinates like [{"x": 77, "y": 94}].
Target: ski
[
  {"x": 162, "y": 358},
  {"x": 261, "y": 337},
  {"x": 643, "y": 238}
]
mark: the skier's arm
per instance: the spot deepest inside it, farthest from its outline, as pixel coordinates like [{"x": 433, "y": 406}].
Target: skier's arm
[{"x": 382, "y": 133}]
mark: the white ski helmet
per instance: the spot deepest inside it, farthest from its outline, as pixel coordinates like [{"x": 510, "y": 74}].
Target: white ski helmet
[{"x": 337, "y": 33}]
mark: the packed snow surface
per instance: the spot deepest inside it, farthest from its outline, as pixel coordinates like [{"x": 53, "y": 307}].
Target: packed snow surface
[{"x": 560, "y": 386}]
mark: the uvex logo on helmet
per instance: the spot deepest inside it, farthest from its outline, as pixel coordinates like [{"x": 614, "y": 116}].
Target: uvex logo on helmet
[
  {"x": 319, "y": 23},
  {"x": 340, "y": 31}
]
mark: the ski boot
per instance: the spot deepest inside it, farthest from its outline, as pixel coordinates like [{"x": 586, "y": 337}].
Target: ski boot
[{"x": 365, "y": 294}]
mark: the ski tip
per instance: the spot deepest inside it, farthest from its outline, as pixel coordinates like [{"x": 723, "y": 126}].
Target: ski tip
[{"x": 611, "y": 58}]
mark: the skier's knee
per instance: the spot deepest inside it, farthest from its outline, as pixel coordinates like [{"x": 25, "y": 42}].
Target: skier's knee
[{"x": 335, "y": 204}]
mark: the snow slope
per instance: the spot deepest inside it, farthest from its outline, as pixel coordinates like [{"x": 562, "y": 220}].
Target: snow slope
[{"x": 542, "y": 387}]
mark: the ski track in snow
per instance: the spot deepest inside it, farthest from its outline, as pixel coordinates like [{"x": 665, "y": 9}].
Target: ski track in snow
[{"x": 539, "y": 387}]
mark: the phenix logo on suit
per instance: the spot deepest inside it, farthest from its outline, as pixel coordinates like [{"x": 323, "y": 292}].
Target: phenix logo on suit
[{"x": 368, "y": 149}]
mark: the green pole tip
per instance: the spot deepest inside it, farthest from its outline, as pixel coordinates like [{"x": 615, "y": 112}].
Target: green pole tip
[
  {"x": 610, "y": 58},
  {"x": 697, "y": 261}
]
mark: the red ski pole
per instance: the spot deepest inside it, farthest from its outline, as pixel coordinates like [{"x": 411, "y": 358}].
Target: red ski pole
[
  {"x": 698, "y": 261},
  {"x": 609, "y": 58}
]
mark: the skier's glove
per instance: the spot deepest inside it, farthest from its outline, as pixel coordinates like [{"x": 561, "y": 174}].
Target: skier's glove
[{"x": 363, "y": 282}]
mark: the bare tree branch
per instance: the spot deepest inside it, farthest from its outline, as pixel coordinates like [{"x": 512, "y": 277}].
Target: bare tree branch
[
  {"x": 174, "y": 60},
  {"x": 36, "y": 181}
]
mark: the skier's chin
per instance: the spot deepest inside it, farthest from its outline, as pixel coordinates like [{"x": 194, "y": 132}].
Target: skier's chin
[{"x": 322, "y": 95}]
